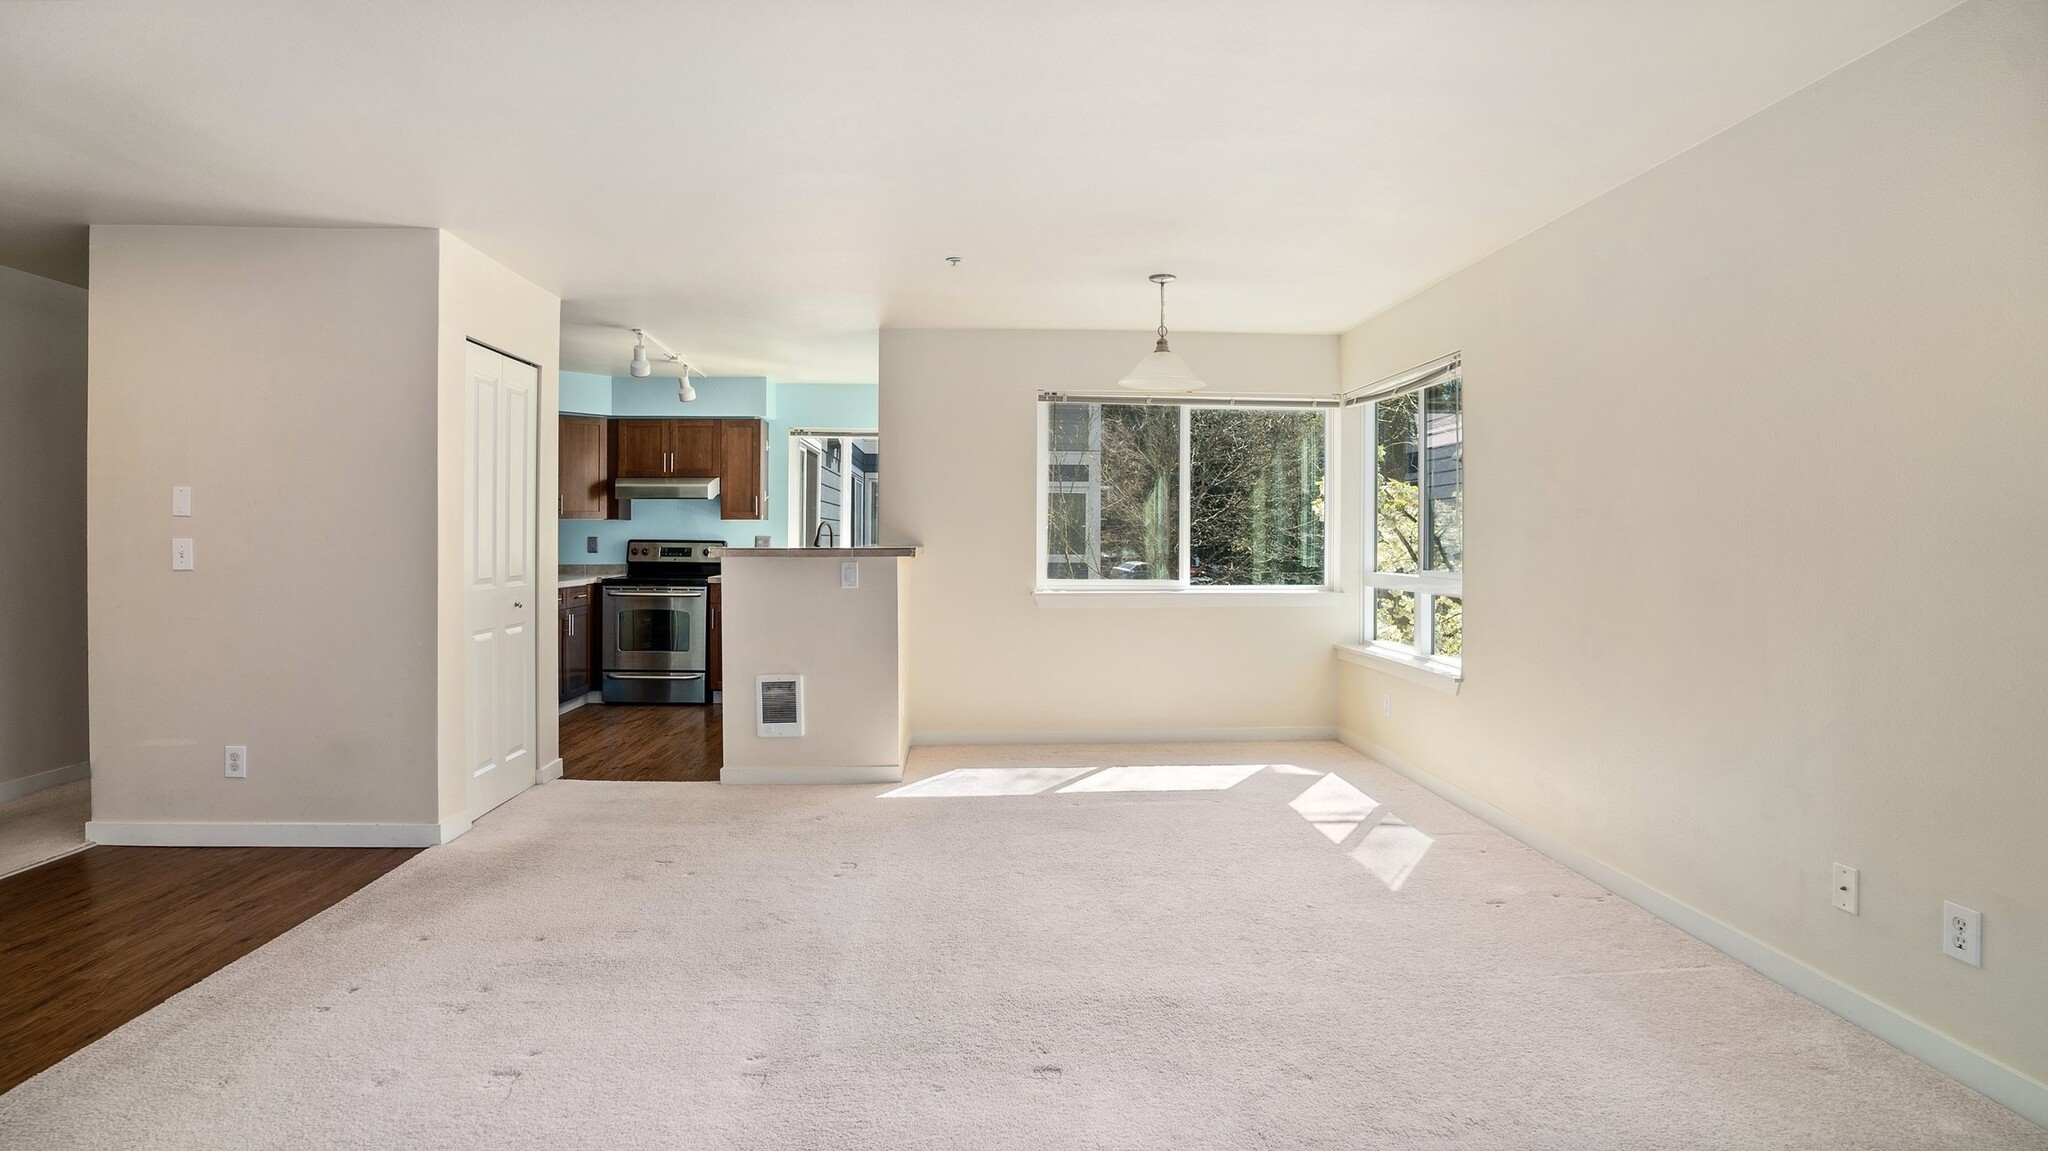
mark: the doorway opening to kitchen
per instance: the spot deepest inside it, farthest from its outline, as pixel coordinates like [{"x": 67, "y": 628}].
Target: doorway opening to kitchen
[{"x": 835, "y": 488}]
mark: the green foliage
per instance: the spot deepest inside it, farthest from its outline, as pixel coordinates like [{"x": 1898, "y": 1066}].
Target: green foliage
[{"x": 1256, "y": 510}]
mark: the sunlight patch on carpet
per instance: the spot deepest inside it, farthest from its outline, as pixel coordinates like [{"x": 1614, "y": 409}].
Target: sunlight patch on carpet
[
  {"x": 1167, "y": 777},
  {"x": 1391, "y": 851},
  {"x": 1334, "y": 807},
  {"x": 980, "y": 781}
]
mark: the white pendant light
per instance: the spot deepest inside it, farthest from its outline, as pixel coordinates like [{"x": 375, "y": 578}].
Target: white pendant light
[
  {"x": 640, "y": 368},
  {"x": 684, "y": 391},
  {"x": 1163, "y": 370}
]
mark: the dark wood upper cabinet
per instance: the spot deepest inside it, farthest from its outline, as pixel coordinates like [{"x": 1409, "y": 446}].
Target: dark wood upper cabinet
[
  {"x": 734, "y": 450},
  {"x": 694, "y": 447},
  {"x": 585, "y": 473},
  {"x": 743, "y": 474},
  {"x": 641, "y": 449}
]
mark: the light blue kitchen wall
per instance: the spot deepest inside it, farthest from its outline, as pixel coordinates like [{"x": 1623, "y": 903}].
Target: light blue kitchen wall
[
  {"x": 831, "y": 407},
  {"x": 584, "y": 394}
]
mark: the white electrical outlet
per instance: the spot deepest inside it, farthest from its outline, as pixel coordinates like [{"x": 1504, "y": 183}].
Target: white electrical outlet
[
  {"x": 181, "y": 501},
  {"x": 1845, "y": 884},
  {"x": 1962, "y": 933},
  {"x": 181, "y": 555},
  {"x": 1387, "y": 704},
  {"x": 849, "y": 573},
  {"x": 238, "y": 761}
]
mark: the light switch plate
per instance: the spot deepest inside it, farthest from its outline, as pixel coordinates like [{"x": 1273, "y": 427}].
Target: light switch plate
[
  {"x": 764, "y": 541},
  {"x": 849, "y": 573},
  {"x": 181, "y": 555},
  {"x": 181, "y": 501}
]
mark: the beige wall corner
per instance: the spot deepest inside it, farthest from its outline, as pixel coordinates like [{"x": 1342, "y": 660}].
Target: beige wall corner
[
  {"x": 43, "y": 735},
  {"x": 482, "y": 300},
  {"x": 287, "y": 376},
  {"x": 958, "y": 424},
  {"x": 1756, "y": 526}
]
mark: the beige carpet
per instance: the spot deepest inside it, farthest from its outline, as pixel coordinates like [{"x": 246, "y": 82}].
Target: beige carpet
[
  {"x": 1230, "y": 957},
  {"x": 38, "y": 828}
]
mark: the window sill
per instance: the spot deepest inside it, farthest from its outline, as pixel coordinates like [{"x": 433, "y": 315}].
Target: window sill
[
  {"x": 1429, "y": 673},
  {"x": 1189, "y": 597}
]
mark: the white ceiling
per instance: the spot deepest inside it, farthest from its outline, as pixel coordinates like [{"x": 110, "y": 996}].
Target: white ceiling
[{"x": 762, "y": 183}]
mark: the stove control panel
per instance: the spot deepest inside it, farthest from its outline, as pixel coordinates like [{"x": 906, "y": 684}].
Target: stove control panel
[{"x": 674, "y": 551}]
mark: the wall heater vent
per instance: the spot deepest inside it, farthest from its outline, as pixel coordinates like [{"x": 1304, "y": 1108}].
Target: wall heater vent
[{"x": 780, "y": 700}]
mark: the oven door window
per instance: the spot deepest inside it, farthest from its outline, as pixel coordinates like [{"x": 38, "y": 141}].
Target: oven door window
[{"x": 654, "y": 629}]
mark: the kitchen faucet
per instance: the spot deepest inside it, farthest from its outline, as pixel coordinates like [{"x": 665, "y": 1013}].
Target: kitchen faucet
[{"x": 825, "y": 529}]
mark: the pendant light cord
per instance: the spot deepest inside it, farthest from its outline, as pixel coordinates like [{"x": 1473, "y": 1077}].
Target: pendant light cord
[{"x": 1161, "y": 347}]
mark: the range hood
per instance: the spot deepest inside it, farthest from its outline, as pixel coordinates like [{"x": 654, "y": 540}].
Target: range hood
[{"x": 675, "y": 488}]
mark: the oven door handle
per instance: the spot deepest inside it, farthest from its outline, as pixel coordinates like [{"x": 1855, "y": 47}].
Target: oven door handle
[
  {"x": 653, "y": 675},
  {"x": 688, "y": 594}
]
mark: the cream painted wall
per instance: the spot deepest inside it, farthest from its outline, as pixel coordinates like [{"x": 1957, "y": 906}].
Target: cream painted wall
[
  {"x": 482, "y": 300},
  {"x": 786, "y": 614},
  {"x": 1757, "y": 527},
  {"x": 958, "y": 425},
  {"x": 287, "y": 376},
  {"x": 42, "y": 502}
]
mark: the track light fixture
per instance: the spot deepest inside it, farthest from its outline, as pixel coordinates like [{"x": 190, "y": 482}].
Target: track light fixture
[{"x": 642, "y": 368}]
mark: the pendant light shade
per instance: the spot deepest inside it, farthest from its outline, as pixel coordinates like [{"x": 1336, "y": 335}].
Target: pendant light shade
[
  {"x": 639, "y": 367},
  {"x": 1163, "y": 370}
]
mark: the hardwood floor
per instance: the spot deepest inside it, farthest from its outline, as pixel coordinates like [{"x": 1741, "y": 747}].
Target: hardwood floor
[
  {"x": 92, "y": 940},
  {"x": 682, "y": 744}
]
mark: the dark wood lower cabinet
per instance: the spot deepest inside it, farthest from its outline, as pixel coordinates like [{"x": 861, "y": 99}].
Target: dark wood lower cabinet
[{"x": 579, "y": 643}]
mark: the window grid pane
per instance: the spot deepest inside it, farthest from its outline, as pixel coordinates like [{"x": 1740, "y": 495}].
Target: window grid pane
[
  {"x": 1443, "y": 478},
  {"x": 1113, "y": 492},
  {"x": 1417, "y": 507},
  {"x": 1257, "y": 480},
  {"x": 1448, "y": 631},
  {"x": 1396, "y": 499},
  {"x": 1394, "y": 617}
]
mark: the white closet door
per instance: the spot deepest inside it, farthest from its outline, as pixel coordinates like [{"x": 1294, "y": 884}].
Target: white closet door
[{"x": 503, "y": 604}]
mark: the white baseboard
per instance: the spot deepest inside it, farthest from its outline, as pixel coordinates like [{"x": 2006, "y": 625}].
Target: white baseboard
[
  {"x": 1163, "y": 735},
  {"x": 118, "y": 834},
  {"x": 550, "y": 773},
  {"x": 1972, "y": 1068},
  {"x": 453, "y": 829},
  {"x": 55, "y": 777},
  {"x": 878, "y": 773},
  {"x": 572, "y": 705}
]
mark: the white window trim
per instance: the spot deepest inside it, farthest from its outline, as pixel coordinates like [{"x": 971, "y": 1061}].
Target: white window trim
[
  {"x": 1092, "y": 593},
  {"x": 1395, "y": 658},
  {"x": 1399, "y": 662},
  {"x": 1198, "y": 596}
]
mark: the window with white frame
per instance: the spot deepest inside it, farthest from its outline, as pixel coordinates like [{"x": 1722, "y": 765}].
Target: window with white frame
[
  {"x": 1177, "y": 495},
  {"x": 1418, "y": 511}
]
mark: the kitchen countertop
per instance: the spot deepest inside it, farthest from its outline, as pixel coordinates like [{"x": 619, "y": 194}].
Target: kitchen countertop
[
  {"x": 603, "y": 571},
  {"x": 823, "y": 553},
  {"x": 577, "y": 575}
]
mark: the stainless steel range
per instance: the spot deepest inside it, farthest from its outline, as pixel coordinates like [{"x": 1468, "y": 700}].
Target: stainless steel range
[{"x": 656, "y": 620}]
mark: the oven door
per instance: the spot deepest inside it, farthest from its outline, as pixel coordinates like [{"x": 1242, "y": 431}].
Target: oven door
[{"x": 648, "y": 629}]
